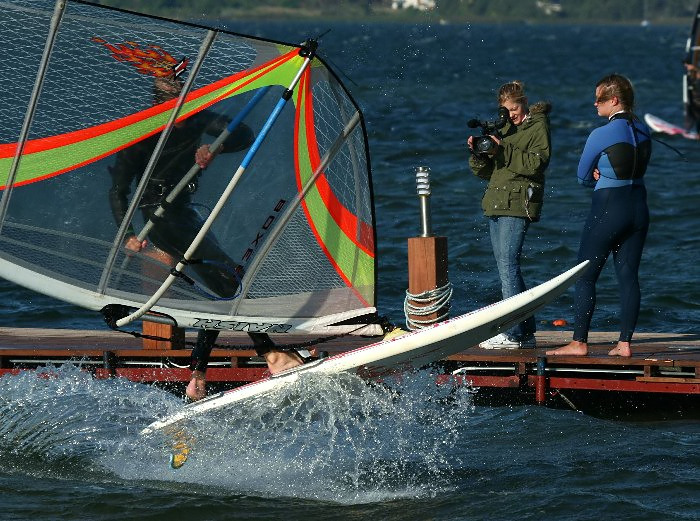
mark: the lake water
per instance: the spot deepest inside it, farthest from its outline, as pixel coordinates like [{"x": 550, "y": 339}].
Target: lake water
[{"x": 69, "y": 446}]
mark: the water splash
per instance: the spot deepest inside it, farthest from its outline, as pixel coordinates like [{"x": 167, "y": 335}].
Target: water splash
[
  {"x": 332, "y": 439},
  {"x": 61, "y": 419}
]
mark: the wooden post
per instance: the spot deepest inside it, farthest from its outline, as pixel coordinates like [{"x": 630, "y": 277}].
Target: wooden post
[
  {"x": 177, "y": 334},
  {"x": 154, "y": 271},
  {"x": 427, "y": 258},
  {"x": 427, "y": 269}
]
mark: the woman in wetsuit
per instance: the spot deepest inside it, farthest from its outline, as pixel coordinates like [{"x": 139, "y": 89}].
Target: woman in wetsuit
[{"x": 614, "y": 161}]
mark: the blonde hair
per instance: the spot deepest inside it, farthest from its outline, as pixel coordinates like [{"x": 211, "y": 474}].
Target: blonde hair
[
  {"x": 617, "y": 86},
  {"x": 513, "y": 91}
]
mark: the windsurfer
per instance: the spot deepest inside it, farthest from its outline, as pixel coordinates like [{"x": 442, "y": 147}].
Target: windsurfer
[
  {"x": 174, "y": 231},
  {"x": 693, "y": 106}
]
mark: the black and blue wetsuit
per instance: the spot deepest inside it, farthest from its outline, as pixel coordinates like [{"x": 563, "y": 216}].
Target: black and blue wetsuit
[
  {"x": 176, "y": 229},
  {"x": 619, "y": 217}
]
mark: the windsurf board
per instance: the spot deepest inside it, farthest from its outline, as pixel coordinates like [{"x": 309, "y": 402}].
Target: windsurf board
[
  {"x": 395, "y": 355},
  {"x": 657, "y": 124}
]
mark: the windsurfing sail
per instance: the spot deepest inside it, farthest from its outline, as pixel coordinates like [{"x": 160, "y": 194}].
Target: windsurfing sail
[
  {"x": 691, "y": 79},
  {"x": 103, "y": 114}
]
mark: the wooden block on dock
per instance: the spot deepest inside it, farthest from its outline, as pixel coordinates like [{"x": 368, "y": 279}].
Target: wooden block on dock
[
  {"x": 427, "y": 268},
  {"x": 176, "y": 336}
]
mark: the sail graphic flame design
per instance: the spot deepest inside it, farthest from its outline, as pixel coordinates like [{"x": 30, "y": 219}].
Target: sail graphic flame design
[{"x": 152, "y": 60}]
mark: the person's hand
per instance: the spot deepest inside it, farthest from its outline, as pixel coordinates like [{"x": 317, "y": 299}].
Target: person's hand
[
  {"x": 133, "y": 244},
  {"x": 596, "y": 174},
  {"x": 470, "y": 141},
  {"x": 203, "y": 156},
  {"x": 496, "y": 139}
]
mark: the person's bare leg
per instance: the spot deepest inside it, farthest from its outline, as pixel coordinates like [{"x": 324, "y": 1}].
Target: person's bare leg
[
  {"x": 574, "y": 347},
  {"x": 278, "y": 361},
  {"x": 622, "y": 349},
  {"x": 197, "y": 388}
]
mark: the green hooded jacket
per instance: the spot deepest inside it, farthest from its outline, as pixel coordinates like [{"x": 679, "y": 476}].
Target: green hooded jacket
[{"x": 516, "y": 172}]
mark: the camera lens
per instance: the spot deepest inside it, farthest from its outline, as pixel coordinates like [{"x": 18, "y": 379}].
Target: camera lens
[{"x": 483, "y": 144}]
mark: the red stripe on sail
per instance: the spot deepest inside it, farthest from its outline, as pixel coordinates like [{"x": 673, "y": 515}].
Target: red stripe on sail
[
  {"x": 41, "y": 145},
  {"x": 344, "y": 218}
]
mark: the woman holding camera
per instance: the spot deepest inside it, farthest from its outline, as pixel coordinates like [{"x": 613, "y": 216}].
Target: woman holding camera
[
  {"x": 613, "y": 161},
  {"x": 514, "y": 167}
]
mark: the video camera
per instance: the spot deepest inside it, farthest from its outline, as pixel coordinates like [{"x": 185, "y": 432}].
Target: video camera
[{"x": 483, "y": 145}]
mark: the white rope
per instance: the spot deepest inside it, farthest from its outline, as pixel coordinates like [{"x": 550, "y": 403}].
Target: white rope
[{"x": 433, "y": 301}]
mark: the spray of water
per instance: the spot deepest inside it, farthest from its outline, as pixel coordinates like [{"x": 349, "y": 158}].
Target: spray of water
[{"x": 330, "y": 438}]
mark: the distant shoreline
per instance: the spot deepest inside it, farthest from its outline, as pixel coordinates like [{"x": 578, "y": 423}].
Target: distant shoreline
[{"x": 282, "y": 14}]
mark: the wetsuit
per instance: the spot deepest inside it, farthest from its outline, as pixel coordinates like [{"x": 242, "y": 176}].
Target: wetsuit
[
  {"x": 618, "y": 220},
  {"x": 175, "y": 230},
  {"x": 693, "y": 106}
]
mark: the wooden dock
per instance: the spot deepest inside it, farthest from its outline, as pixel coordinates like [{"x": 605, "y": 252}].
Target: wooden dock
[{"x": 661, "y": 378}]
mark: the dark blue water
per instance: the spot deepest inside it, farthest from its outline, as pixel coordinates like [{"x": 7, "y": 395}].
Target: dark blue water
[{"x": 69, "y": 447}]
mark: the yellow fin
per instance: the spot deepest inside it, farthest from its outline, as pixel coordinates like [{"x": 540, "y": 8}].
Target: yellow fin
[
  {"x": 181, "y": 447},
  {"x": 394, "y": 333}
]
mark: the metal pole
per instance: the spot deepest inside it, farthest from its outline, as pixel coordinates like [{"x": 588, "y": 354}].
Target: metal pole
[{"x": 423, "y": 189}]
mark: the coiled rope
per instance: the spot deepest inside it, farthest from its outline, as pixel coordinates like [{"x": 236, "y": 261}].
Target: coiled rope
[{"x": 431, "y": 302}]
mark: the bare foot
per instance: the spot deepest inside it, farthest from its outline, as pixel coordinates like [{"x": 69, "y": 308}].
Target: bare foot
[
  {"x": 574, "y": 347},
  {"x": 622, "y": 349},
  {"x": 278, "y": 361},
  {"x": 197, "y": 388}
]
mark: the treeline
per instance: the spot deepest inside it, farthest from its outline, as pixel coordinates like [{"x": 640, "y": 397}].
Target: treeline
[
  {"x": 599, "y": 10},
  {"x": 453, "y": 10}
]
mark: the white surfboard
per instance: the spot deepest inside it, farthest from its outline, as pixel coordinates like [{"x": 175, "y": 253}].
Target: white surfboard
[
  {"x": 657, "y": 124},
  {"x": 403, "y": 353}
]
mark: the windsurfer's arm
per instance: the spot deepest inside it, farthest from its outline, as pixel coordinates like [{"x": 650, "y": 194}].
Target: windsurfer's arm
[
  {"x": 132, "y": 243},
  {"x": 203, "y": 156},
  {"x": 122, "y": 174},
  {"x": 240, "y": 139},
  {"x": 588, "y": 164}
]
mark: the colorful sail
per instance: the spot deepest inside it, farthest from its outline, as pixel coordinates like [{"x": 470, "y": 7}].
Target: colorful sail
[{"x": 86, "y": 158}]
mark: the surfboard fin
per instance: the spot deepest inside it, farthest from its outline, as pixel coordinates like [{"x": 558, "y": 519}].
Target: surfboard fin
[{"x": 181, "y": 447}]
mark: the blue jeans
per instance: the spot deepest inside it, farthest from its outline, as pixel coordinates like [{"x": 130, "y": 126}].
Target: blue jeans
[{"x": 507, "y": 238}]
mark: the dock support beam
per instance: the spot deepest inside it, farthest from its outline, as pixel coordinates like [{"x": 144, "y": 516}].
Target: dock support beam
[{"x": 541, "y": 381}]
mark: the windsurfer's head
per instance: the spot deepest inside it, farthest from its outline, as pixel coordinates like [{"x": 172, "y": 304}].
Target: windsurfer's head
[
  {"x": 614, "y": 93},
  {"x": 511, "y": 95},
  {"x": 166, "y": 88},
  {"x": 168, "y": 83}
]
